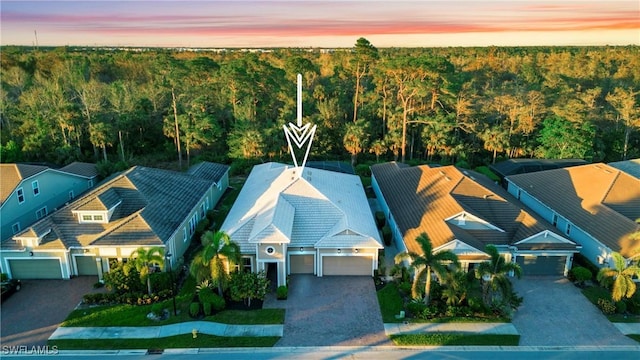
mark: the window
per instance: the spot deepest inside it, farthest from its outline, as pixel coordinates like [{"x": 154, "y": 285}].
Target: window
[
  {"x": 270, "y": 250},
  {"x": 519, "y": 193},
  {"x": 245, "y": 265},
  {"x": 202, "y": 210},
  {"x": 184, "y": 234},
  {"x": 90, "y": 183},
  {"x": 20, "y": 195},
  {"x": 71, "y": 196},
  {"x": 36, "y": 188},
  {"x": 15, "y": 228},
  {"x": 554, "y": 220},
  {"x": 98, "y": 218},
  {"x": 41, "y": 213},
  {"x": 568, "y": 231},
  {"x": 86, "y": 217},
  {"x": 219, "y": 186}
]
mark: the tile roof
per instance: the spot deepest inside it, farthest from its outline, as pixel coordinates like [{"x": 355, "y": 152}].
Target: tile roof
[
  {"x": 12, "y": 174},
  {"x": 448, "y": 204},
  {"x": 83, "y": 169},
  {"x": 322, "y": 208},
  {"x": 597, "y": 198},
  {"x": 209, "y": 171},
  {"x": 631, "y": 167},
  {"x": 151, "y": 204},
  {"x": 523, "y": 166}
]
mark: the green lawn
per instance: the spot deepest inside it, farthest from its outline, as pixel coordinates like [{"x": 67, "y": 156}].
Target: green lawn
[
  {"x": 593, "y": 293},
  {"x": 635, "y": 337},
  {"x": 390, "y": 303},
  {"x": 178, "y": 341},
  {"x": 133, "y": 315},
  {"x": 451, "y": 339},
  {"x": 486, "y": 171}
]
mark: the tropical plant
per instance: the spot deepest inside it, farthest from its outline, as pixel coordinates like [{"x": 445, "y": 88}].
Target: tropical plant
[
  {"x": 619, "y": 277},
  {"x": 145, "y": 261},
  {"x": 455, "y": 288},
  {"x": 493, "y": 273},
  {"x": 246, "y": 286},
  {"x": 426, "y": 263},
  {"x": 218, "y": 247}
]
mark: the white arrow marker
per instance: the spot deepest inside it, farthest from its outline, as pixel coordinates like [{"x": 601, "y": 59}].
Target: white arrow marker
[{"x": 299, "y": 133}]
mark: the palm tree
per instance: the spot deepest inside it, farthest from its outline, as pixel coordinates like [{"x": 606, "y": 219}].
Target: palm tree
[
  {"x": 217, "y": 247},
  {"x": 622, "y": 275},
  {"x": 145, "y": 261},
  {"x": 378, "y": 147},
  {"x": 424, "y": 264},
  {"x": 494, "y": 274},
  {"x": 456, "y": 287}
]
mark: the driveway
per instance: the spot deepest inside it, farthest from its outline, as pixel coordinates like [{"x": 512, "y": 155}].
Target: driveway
[
  {"x": 555, "y": 313},
  {"x": 32, "y": 314},
  {"x": 331, "y": 311}
]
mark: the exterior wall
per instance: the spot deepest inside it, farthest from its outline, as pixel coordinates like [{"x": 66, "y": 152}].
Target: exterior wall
[
  {"x": 54, "y": 189},
  {"x": 397, "y": 237},
  {"x": 592, "y": 249}
]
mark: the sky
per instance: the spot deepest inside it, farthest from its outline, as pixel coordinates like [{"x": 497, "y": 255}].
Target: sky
[{"x": 326, "y": 23}]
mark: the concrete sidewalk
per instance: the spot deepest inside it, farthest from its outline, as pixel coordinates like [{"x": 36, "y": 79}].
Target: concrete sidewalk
[
  {"x": 145, "y": 332},
  {"x": 475, "y": 328}
]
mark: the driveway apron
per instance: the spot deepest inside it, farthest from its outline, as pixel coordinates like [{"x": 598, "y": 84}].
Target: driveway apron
[
  {"x": 555, "y": 313},
  {"x": 32, "y": 314},
  {"x": 332, "y": 311}
]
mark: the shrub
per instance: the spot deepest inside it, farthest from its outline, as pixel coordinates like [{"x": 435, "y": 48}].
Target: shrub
[
  {"x": 98, "y": 285},
  {"x": 282, "y": 292},
  {"x": 217, "y": 302},
  {"x": 205, "y": 294},
  {"x": 621, "y": 307},
  {"x": 386, "y": 235},
  {"x": 201, "y": 227},
  {"x": 580, "y": 260},
  {"x": 633, "y": 305},
  {"x": 157, "y": 309},
  {"x": 607, "y": 306},
  {"x": 160, "y": 280},
  {"x": 416, "y": 308},
  {"x": 363, "y": 170},
  {"x": 380, "y": 219},
  {"x": 194, "y": 309},
  {"x": 405, "y": 287},
  {"x": 581, "y": 274},
  {"x": 206, "y": 308}
]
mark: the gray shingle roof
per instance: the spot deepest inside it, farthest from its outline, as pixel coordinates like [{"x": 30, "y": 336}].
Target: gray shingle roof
[
  {"x": 209, "y": 171},
  {"x": 154, "y": 203},
  {"x": 87, "y": 170}
]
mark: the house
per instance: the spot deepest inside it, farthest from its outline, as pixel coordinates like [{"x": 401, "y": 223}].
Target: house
[
  {"x": 140, "y": 207},
  {"x": 523, "y": 166},
  {"x": 298, "y": 220},
  {"x": 30, "y": 192},
  {"x": 464, "y": 211},
  {"x": 594, "y": 205}
]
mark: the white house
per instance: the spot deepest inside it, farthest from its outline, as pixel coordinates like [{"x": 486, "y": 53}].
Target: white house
[{"x": 304, "y": 221}]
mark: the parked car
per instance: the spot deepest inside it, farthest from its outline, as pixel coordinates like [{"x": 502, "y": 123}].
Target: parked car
[{"x": 9, "y": 287}]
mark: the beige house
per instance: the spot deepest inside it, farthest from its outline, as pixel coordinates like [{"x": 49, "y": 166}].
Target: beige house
[
  {"x": 464, "y": 211},
  {"x": 310, "y": 221},
  {"x": 140, "y": 207}
]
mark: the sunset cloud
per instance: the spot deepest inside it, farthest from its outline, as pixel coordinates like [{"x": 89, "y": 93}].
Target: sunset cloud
[{"x": 251, "y": 23}]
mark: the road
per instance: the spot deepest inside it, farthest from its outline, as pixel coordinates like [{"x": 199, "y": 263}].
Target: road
[{"x": 364, "y": 353}]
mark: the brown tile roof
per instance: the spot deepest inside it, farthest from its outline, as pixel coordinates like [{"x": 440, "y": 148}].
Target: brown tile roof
[
  {"x": 153, "y": 203},
  {"x": 12, "y": 174},
  {"x": 421, "y": 198},
  {"x": 596, "y": 198},
  {"x": 87, "y": 170}
]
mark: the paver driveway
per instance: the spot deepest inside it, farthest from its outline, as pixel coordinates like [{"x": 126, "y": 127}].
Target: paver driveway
[
  {"x": 31, "y": 315},
  {"x": 332, "y": 311},
  {"x": 555, "y": 313}
]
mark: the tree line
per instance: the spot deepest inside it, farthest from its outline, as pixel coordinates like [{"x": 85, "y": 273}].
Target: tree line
[{"x": 448, "y": 105}]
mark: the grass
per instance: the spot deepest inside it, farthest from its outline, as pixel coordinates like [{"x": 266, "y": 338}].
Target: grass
[
  {"x": 593, "y": 293},
  {"x": 171, "y": 342},
  {"x": 390, "y": 303},
  {"x": 133, "y": 315},
  {"x": 453, "y": 339},
  {"x": 635, "y": 337},
  {"x": 486, "y": 171}
]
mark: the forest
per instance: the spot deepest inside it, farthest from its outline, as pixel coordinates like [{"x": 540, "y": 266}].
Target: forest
[{"x": 171, "y": 107}]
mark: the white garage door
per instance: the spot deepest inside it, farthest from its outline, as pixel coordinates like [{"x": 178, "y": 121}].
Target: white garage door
[
  {"x": 86, "y": 265},
  {"x": 301, "y": 264},
  {"x": 347, "y": 265},
  {"x": 35, "y": 269}
]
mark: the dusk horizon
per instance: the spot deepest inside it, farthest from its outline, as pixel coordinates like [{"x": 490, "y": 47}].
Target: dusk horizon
[{"x": 315, "y": 24}]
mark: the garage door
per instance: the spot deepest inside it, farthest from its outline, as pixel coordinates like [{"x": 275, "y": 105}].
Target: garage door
[
  {"x": 542, "y": 265},
  {"x": 35, "y": 269},
  {"x": 86, "y": 265},
  {"x": 301, "y": 264},
  {"x": 347, "y": 265}
]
